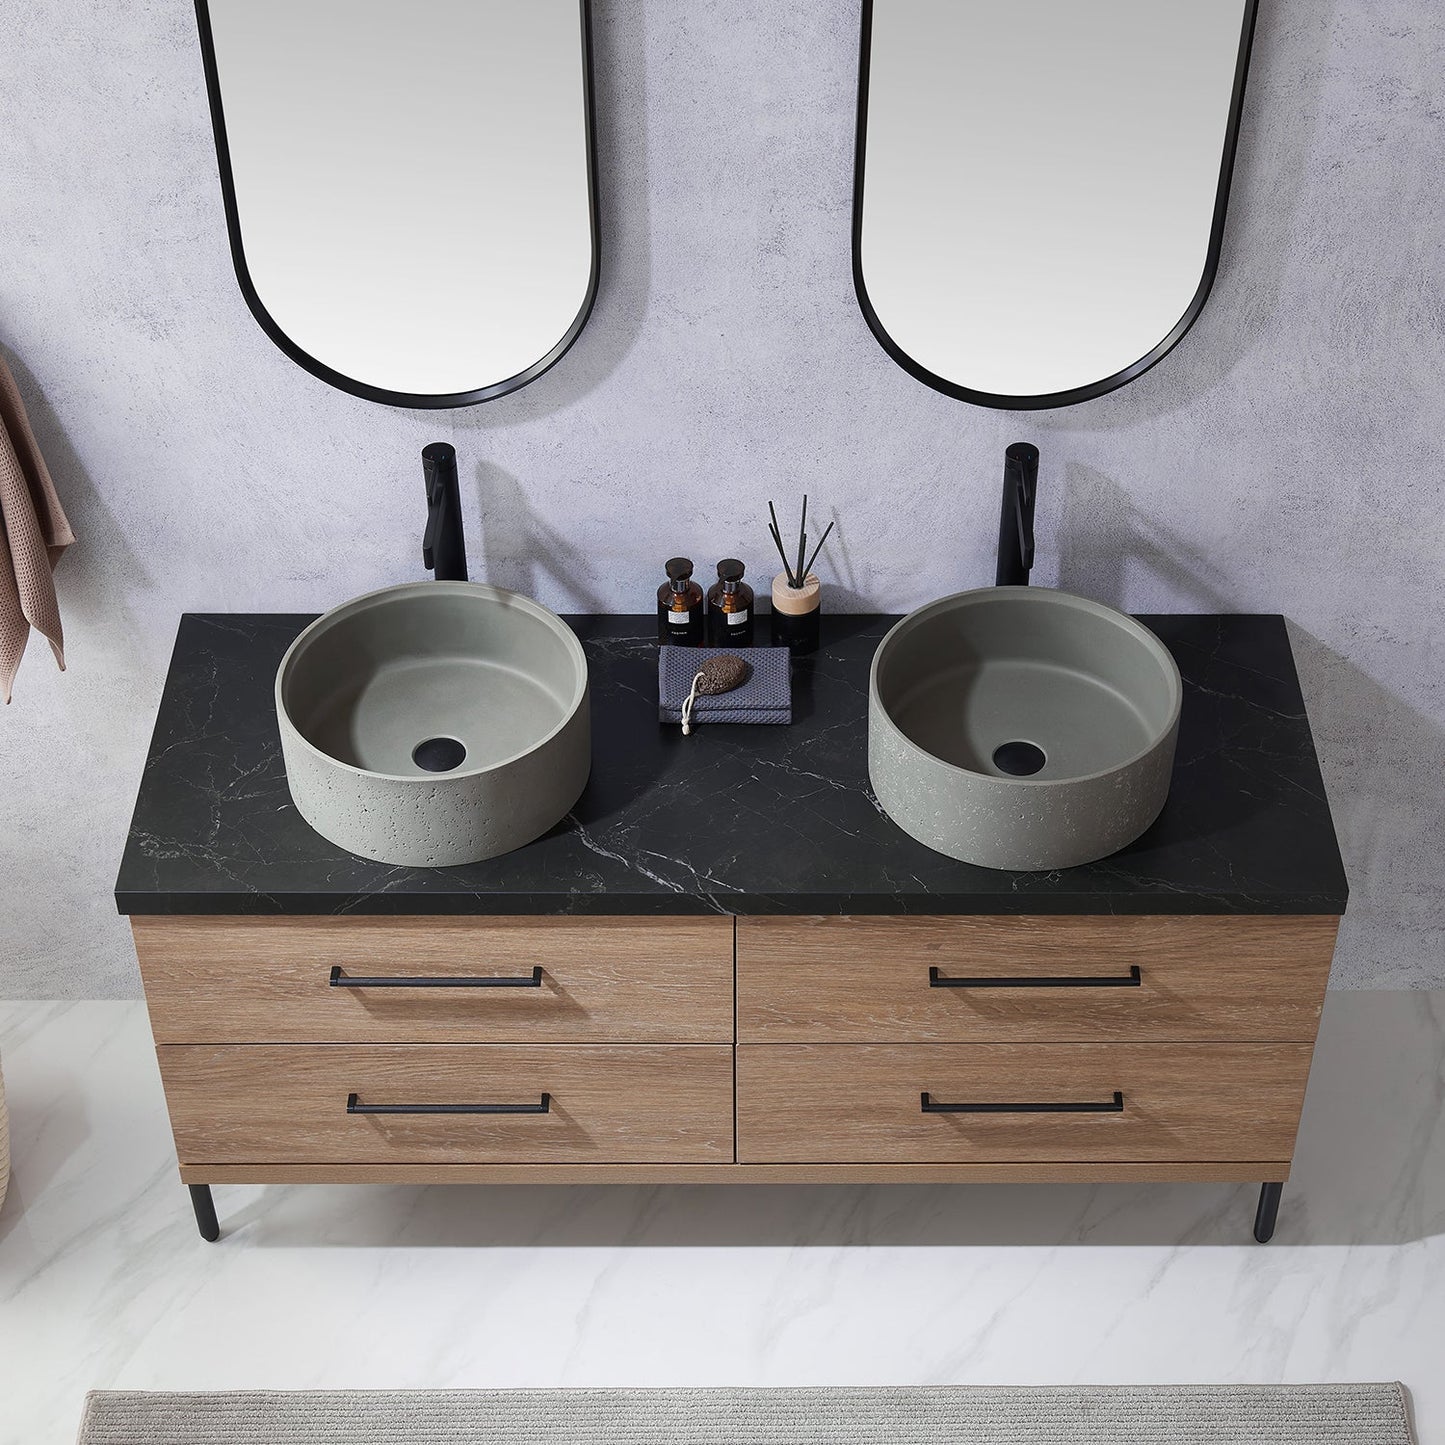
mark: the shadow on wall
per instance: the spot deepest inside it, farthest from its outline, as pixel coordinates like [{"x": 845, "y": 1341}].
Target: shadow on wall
[
  {"x": 1370, "y": 1169},
  {"x": 1102, "y": 536},
  {"x": 1382, "y": 761},
  {"x": 1286, "y": 77},
  {"x": 517, "y": 548},
  {"x": 620, "y": 89}
]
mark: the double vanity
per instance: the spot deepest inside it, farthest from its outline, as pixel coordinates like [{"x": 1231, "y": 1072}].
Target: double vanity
[
  {"x": 759, "y": 952},
  {"x": 727, "y": 963}
]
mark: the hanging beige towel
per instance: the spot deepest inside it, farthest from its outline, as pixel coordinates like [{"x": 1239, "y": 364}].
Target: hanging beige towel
[{"x": 33, "y": 534}]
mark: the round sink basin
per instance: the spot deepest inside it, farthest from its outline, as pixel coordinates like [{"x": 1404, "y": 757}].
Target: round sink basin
[
  {"x": 1022, "y": 728},
  {"x": 435, "y": 723}
]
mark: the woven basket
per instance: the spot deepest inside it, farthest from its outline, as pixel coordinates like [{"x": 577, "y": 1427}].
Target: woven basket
[{"x": 4, "y": 1143}]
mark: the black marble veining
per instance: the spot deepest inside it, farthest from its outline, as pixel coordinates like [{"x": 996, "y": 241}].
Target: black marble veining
[{"x": 735, "y": 819}]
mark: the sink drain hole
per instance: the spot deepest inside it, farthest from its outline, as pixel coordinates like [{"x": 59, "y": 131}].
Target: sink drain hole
[
  {"x": 1018, "y": 759},
  {"x": 439, "y": 755}
]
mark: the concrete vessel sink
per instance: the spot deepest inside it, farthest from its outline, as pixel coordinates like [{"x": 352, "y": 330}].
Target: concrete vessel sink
[
  {"x": 1022, "y": 728},
  {"x": 434, "y": 723}
]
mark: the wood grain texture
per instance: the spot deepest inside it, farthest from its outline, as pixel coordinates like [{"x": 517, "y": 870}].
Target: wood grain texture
[
  {"x": 860, "y": 1103},
  {"x": 867, "y": 979},
  {"x": 1230, "y": 1171},
  {"x": 609, "y": 1103},
  {"x": 263, "y": 980}
]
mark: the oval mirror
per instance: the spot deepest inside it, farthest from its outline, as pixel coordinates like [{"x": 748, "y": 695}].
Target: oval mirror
[
  {"x": 1040, "y": 186},
  {"x": 409, "y": 187}
]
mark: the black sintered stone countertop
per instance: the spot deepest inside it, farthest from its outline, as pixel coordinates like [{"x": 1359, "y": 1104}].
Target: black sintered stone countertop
[{"x": 733, "y": 819}]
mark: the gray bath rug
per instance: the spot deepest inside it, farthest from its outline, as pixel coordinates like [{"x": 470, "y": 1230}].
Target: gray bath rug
[{"x": 943, "y": 1415}]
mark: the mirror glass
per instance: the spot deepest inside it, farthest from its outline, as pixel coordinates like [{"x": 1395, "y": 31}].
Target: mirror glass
[
  {"x": 408, "y": 186},
  {"x": 1041, "y": 186}
]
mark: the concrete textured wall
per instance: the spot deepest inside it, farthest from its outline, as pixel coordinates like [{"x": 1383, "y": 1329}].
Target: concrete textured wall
[{"x": 1285, "y": 457}]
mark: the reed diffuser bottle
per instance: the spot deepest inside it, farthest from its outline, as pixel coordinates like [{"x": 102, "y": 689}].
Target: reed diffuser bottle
[
  {"x": 797, "y": 613},
  {"x": 730, "y": 607},
  {"x": 679, "y": 606},
  {"x": 797, "y": 593}
]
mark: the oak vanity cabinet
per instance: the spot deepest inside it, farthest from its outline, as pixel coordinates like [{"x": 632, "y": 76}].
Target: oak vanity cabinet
[
  {"x": 848, "y": 1007},
  {"x": 808, "y": 1049}
]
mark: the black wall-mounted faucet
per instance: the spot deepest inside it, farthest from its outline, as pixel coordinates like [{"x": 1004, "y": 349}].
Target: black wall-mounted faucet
[
  {"x": 443, "y": 546},
  {"x": 1016, "y": 519}
]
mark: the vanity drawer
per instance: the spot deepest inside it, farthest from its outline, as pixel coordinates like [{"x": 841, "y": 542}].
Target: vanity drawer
[
  {"x": 263, "y": 980},
  {"x": 864, "y": 1103},
  {"x": 1039, "y": 978},
  {"x": 306, "y": 1103}
]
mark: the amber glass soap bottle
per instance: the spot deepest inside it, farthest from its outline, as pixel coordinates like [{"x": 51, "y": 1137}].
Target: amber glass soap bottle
[
  {"x": 679, "y": 606},
  {"x": 730, "y": 607}
]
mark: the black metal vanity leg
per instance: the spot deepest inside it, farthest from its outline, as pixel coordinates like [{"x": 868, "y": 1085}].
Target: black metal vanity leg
[
  {"x": 1268, "y": 1211},
  {"x": 205, "y": 1208}
]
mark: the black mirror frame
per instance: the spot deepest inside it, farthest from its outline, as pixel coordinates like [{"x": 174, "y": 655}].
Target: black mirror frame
[
  {"x": 1110, "y": 383},
  {"x": 319, "y": 368}
]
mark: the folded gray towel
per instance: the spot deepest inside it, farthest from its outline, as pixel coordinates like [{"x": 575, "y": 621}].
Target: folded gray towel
[{"x": 766, "y": 697}]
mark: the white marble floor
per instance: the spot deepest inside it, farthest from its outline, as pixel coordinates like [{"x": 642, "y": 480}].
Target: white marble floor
[{"x": 104, "y": 1281}]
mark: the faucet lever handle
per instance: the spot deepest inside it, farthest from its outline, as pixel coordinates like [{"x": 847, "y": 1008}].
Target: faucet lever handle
[
  {"x": 1022, "y": 460},
  {"x": 1024, "y": 506}
]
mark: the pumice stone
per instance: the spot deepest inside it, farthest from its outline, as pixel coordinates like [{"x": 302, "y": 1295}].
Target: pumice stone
[{"x": 722, "y": 674}]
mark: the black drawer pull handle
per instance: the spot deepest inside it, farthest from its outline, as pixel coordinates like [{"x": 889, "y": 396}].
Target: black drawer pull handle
[
  {"x": 355, "y": 1106},
  {"x": 1132, "y": 979},
  {"x": 527, "y": 980},
  {"x": 1114, "y": 1106}
]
